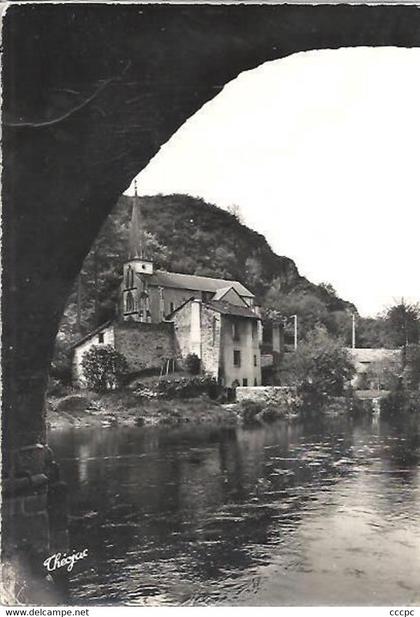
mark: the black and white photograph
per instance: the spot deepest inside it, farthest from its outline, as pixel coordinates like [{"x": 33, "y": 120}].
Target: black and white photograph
[{"x": 210, "y": 306}]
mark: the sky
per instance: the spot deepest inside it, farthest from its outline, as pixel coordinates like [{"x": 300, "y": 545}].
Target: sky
[{"x": 320, "y": 152}]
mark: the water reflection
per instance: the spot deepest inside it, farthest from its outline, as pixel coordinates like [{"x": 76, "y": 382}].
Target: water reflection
[{"x": 315, "y": 513}]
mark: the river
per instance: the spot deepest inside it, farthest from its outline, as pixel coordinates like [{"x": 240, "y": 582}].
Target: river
[{"x": 321, "y": 512}]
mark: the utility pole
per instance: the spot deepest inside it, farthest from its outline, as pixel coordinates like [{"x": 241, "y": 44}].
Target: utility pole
[
  {"x": 353, "y": 331},
  {"x": 295, "y": 322}
]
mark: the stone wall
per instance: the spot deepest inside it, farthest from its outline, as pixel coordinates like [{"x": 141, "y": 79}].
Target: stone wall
[
  {"x": 175, "y": 297},
  {"x": 182, "y": 329},
  {"x": 34, "y": 524},
  {"x": 145, "y": 345},
  {"x": 210, "y": 341},
  {"x": 267, "y": 394}
]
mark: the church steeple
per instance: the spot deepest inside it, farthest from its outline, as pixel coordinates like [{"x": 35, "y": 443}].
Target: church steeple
[
  {"x": 137, "y": 236},
  {"x": 137, "y": 270}
]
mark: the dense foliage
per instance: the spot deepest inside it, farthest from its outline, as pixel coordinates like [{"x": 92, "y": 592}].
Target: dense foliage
[
  {"x": 403, "y": 321},
  {"x": 411, "y": 372},
  {"x": 399, "y": 326},
  {"x": 320, "y": 367},
  {"x": 182, "y": 388},
  {"x": 104, "y": 368}
]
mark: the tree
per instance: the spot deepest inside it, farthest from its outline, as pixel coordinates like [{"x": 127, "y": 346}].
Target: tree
[
  {"x": 372, "y": 332},
  {"x": 235, "y": 211},
  {"x": 403, "y": 323},
  {"x": 411, "y": 374},
  {"x": 329, "y": 289},
  {"x": 320, "y": 367},
  {"x": 311, "y": 311},
  {"x": 104, "y": 368}
]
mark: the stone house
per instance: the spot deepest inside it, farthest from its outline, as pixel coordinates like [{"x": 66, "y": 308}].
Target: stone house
[
  {"x": 146, "y": 347},
  {"x": 225, "y": 336}
]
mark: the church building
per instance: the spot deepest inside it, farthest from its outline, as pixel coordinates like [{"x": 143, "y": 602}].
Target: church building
[
  {"x": 149, "y": 295},
  {"x": 165, "y": 316}
]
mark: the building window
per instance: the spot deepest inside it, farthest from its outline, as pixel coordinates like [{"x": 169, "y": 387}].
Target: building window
[
  {"x": 255, "y": 360},
  {"x": 100, "y": 337},
  {"x": 235, "y": 331},
  {"x": 129, "y": 277},
  {"x": 244, "y": 381},
  {"x": 236, "y": 358},
  {"x": 129, "y": 302}
]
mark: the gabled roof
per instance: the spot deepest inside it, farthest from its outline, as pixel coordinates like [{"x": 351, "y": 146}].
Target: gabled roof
[
  {"x": 226, "y": 308},
  {"x": 90, "y": 334},
  {"x": 195, "y": 283},
  {"x": 361, "y": 354},
  {"x": 221, "y": 293}
]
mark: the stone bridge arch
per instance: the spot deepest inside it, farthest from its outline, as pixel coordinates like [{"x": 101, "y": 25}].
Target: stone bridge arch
[{"x": 91, "y": 92}]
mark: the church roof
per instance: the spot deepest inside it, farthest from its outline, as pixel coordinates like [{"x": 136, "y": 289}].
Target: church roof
[{"x": 196, "y": 283}]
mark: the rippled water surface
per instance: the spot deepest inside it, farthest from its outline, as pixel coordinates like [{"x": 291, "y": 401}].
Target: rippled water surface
[{"x": 314, "y": 513}]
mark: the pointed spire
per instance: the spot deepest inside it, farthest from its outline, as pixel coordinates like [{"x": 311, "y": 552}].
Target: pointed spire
[{"x": 137, "y": 236}]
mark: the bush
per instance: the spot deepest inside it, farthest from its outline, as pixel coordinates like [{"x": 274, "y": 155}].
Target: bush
[
  {"x": 193, "y": 364},
  {"x": 183, "y": 388},
  {"x": 271, "y": 413},
  {"x": 249, "y": 411},
  {"x": 104, "y": 368},
  {"x": 400, "y": 401}
]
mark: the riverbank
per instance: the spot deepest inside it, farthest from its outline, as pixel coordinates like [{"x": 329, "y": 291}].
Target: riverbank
[
  {"x": 124, "y": 408},
  {"x": 78, "y": 408}
]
